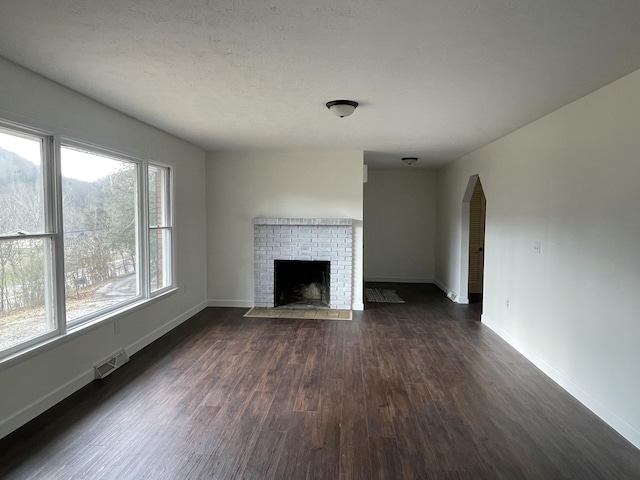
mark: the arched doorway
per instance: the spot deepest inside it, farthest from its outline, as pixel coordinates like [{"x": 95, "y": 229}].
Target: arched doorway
[
  {"x": 477, "y": 216},
  {"x": 473, "y": 219}
]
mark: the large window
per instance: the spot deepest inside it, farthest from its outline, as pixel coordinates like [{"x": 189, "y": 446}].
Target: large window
[
  {"x": 83, "y": 233},
  {"x": 99, "y": 209},
  {"x": 26, "y": 307}
]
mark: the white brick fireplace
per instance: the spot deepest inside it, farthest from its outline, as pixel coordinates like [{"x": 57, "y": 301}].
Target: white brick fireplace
[{"x": 311, "y": 239}]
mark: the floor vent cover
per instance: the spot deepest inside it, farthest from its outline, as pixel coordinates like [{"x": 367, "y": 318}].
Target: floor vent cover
[{"x": 108, "y": 366}]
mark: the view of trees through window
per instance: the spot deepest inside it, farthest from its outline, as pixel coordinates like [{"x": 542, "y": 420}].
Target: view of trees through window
[
  {"x": 24, "y": 247},
  {"x": 88, "y": 242},
  {"x": 99, "y": 233}
]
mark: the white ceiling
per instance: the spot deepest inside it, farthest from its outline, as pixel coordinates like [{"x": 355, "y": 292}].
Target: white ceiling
[{"x": 435, "y": 78}]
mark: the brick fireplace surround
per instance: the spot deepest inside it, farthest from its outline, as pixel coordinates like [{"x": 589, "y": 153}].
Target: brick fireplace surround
[{"x": 328, "y": 239}]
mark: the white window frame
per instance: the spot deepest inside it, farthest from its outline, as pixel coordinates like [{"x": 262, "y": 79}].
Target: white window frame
[
  {"x": 169, "y": 213},
  {"x": 139, "y": 219},
  {"x": 50, "y": 233},
  {"x": 54, "y": 232}
]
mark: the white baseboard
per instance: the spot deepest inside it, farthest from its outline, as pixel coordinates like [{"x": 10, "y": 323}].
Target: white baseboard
[
  {"x": 399, "y": 279},
  {"x": 230, "y": 303},
  {"x": 41, "y": 405},
  {"x": 442, "y": 286},
  {"x": 451, "y": 294},
  {"x": 167, "y": 327},
  {"x": 44, "y": 403},
  {"x": 616, "y": 422}
]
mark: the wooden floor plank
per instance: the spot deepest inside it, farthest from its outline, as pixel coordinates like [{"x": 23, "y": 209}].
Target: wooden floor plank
[
  {"x": 355, "y": 459},
  {"x": 263, "y": 459},
  {"x": 353, "y": 370},
  {"x": 403, "y": 391},
  {"x": 385, "y": 459},
  {"x": 308, "y": 398},
  {"x": 323, "y": 471}
]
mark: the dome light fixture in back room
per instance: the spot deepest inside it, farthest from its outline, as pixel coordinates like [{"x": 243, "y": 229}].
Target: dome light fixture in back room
[
  {"x": 342, "y": 108},
  {"x": 410, "y": 160}
]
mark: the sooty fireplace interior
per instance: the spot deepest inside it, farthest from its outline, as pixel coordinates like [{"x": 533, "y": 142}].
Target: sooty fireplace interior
[{"x": 301, "y": 283}]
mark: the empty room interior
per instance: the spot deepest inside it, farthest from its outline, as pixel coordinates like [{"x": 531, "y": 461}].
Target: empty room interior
[{"x": 456, "y": 184}]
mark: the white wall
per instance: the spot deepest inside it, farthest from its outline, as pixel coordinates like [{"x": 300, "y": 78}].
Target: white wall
[
  {"x": 570, "y": 180},
  {"x": 31, "y": 385},
  {"x": 245, "y": 185},
  {"x": 399, "y": 225}
]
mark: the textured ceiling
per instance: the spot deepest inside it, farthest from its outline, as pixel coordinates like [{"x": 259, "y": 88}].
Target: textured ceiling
[{"x": 435, "y": 79}]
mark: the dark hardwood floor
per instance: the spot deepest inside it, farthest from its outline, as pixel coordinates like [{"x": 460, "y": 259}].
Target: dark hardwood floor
[{"x": 420, "y": 390}]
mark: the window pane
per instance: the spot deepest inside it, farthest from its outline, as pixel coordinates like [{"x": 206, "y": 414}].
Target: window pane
[
  {"x": 25, "y": 310},
  {"x": 100, "y": 226},
  {"x": 21, "y": 186},
  {"x": 160, "y": 232},
  {"x": 160, "y": 255},
  {"x": 158, "y": 193}
]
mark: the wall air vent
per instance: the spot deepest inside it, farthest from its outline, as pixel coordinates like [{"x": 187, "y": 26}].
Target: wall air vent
[{"x": 108, "y": 366}]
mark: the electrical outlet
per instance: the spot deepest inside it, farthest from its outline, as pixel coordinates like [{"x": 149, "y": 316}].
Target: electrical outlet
[
  {"x": 536, "y": 248},
  {"x": 507, "y": 303}
]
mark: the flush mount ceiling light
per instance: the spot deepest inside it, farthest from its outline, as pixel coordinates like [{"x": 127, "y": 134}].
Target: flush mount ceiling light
[
  {"x": 342, "y": 108},
  {"x": 410, "y": 160}
]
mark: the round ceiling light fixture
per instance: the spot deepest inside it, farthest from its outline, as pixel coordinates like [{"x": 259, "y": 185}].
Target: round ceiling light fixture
[
  {"x": 342, "y": 108},
  {"x": 410, "y": 160}
]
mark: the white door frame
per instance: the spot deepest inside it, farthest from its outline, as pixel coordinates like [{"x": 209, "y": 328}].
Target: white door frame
[{"x": 463, "y": 287}]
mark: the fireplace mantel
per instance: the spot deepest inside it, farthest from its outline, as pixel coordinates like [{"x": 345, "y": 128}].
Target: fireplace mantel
[{"x": 303, "y": 221}]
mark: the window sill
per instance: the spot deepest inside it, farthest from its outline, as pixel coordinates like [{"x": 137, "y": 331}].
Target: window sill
[{"x": 80, "y": 329}]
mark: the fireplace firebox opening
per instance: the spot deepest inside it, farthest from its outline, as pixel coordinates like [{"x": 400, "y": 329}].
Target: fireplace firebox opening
[{"x": 302, "y": 283}]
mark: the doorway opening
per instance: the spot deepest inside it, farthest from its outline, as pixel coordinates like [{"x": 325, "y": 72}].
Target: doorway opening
[
  {"x": 477, "y": 217},
  {"x": 474, "y": 205}
]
